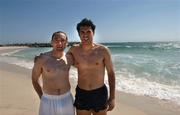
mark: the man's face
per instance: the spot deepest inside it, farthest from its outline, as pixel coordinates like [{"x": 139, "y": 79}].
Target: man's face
[
  {"x": 86, "y": 35},
  {"x": 59, "y": 41}
]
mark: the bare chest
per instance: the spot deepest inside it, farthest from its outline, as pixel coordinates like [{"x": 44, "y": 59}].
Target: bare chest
[
  {"x": 53, "y": 66},
  {"x": 91, "y": 59}
]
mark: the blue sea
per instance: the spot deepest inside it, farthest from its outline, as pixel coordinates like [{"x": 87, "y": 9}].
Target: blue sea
[{"x": 142, "y": 68}]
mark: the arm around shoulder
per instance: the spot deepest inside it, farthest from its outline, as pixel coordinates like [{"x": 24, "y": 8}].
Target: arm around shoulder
[{"x": 70, "y": 56}]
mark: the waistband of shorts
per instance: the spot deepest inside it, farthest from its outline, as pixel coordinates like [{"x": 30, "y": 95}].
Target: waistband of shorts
[
  {"x": 56, "y": 96},
  {"x": 93, "y": 90}
]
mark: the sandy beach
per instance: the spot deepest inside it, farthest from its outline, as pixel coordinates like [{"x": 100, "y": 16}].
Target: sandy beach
[{"x": 17, "y": 96}]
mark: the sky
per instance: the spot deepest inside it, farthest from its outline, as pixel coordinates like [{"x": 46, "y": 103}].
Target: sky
[{"x": 29, "y": 21}]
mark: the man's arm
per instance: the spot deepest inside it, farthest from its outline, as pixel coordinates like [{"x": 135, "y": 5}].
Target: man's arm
[
  {"x": 111, "y": 78},
  {"x": 36, "y": 72},
  {"x": 70, "y": 57}
]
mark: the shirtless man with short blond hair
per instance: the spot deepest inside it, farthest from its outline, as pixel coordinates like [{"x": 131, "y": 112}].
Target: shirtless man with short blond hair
[
  {"x": 55, "y": 95},
  {"x": 91, "y": 60}
]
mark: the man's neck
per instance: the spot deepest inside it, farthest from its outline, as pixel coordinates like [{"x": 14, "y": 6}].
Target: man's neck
[
  {"x": 87, "y": 46},
  {"x": 57, "y": 54}
]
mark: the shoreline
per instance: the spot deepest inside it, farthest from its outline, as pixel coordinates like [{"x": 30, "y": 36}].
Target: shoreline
[
  {"x": 18, "y": 96},
  {"x": 5, "y": 49},
  {"x": 12, "y": 47}
]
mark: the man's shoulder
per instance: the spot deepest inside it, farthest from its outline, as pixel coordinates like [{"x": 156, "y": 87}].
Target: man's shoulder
[
  {"x": 41, "y": 57},
  {"x": 101, "y": 46},
  {"x": 103, "y": 49},
  {"x": 74, "y": 47}
]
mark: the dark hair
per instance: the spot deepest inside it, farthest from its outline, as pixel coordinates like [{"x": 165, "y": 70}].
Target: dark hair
[
  {"x": 86, "y": 22},
  {"x": 59, "y": 32}
]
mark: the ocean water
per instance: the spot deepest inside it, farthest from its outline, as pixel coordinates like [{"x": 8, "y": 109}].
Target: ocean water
[{"x": 146, "y": 68}]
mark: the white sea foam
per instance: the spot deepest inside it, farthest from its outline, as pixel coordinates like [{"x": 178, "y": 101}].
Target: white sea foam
[
  {"x": 141, "y": 86},
  {"x": 10, "y": 53},
  {"x": 20, "y": 62},
  {"x": 167, "y": 45},
  {"x": 128, "y": 46}
]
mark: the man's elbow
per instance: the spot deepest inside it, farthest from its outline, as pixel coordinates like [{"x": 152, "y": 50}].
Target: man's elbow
[
  {"x": 111, "y": 74},
  {"x": 111, "y": 77},
  {"x": 34, "y": 80}
]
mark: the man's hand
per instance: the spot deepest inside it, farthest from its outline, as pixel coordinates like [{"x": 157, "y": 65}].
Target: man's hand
[{"x": 111, "y": 104}]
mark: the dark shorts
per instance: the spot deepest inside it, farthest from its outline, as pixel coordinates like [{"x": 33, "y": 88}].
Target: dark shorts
[{"x": 91, "y": 100}]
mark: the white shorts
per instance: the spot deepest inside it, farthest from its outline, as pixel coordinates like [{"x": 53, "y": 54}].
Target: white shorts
[{"x": 57, "y": 104}]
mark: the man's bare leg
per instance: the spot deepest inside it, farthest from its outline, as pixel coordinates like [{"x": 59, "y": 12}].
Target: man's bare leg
[
  {"x": 102, "y": 112},
  {"x": 83, "y": 112}
]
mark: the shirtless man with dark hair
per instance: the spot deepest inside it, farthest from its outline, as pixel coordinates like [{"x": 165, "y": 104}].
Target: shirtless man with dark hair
[
  {"x": 55, "y": 95},
  {"x": 91, "y": 60}
]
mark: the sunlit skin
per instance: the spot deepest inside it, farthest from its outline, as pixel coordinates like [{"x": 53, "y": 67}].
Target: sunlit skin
[
  {"x": 91, "y": 60},
  {"x": 54, "y": 68}
]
